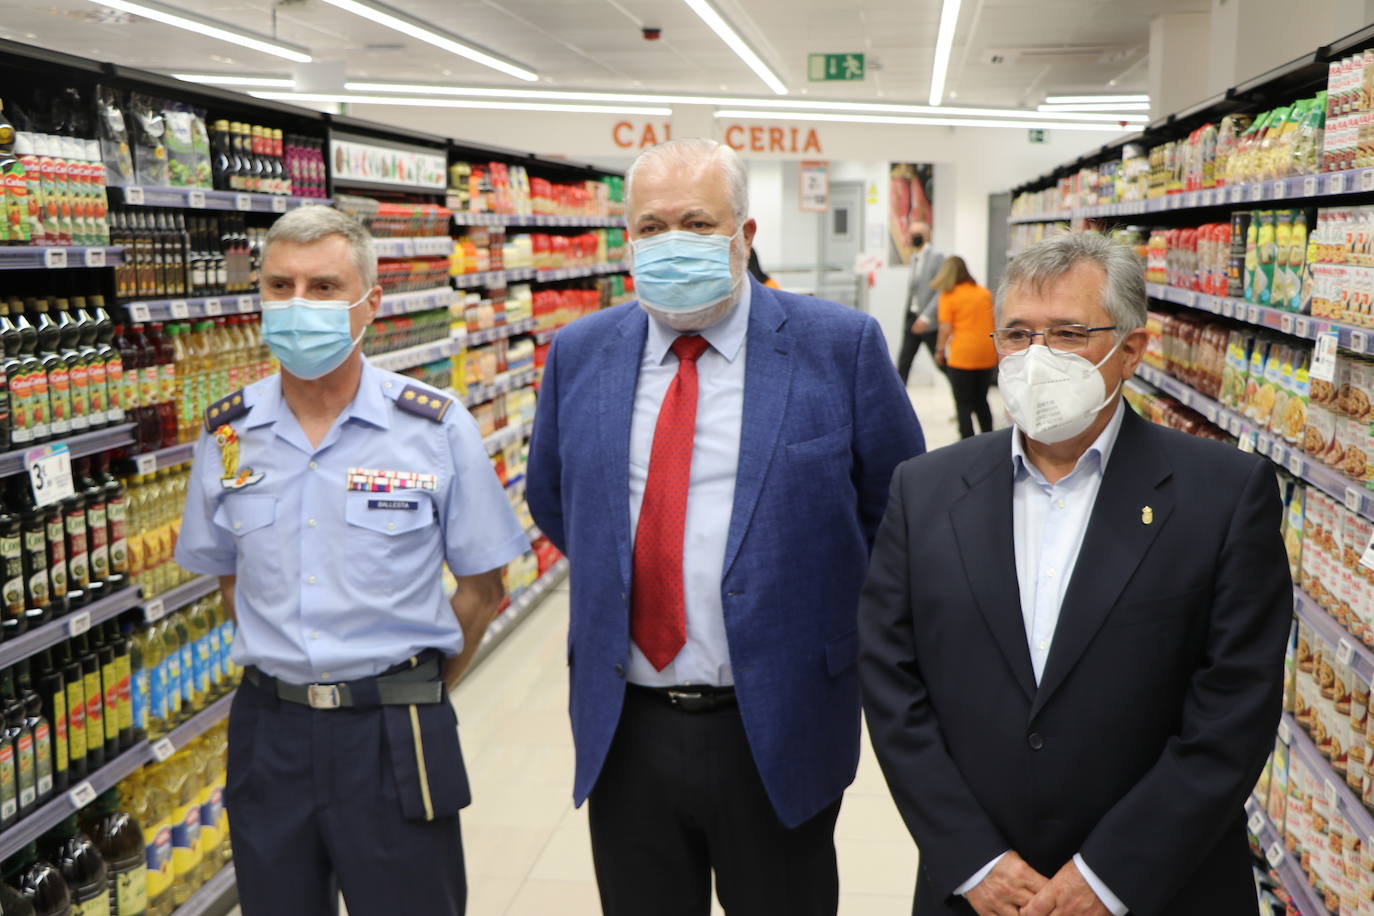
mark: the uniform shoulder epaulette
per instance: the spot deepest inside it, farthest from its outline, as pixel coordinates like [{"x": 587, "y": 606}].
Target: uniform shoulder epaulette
[
  {"x": 226, "y": 410},
  {"x": 424, "y": 403}
]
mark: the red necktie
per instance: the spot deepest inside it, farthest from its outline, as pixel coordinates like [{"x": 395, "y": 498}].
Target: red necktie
[{"x": 658, "y": 622}]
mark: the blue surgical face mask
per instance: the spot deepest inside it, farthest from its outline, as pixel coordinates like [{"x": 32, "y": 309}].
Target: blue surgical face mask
[
  {"x": 678, "y": 273},
  {"x": 311, "y": 337}
]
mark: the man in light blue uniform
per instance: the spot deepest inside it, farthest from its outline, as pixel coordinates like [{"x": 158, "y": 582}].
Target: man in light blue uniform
[{"x": 325, "y": 498}]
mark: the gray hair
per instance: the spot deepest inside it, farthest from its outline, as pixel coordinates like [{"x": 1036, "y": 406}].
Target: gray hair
[
  {"x": 1123, "y": 295},
  {"x": 688, "y": 153},
  {"x": 312, "y": 223}
]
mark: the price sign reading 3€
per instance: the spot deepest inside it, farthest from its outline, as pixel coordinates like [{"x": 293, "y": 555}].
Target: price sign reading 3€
[{"x": 50, "y": 473}]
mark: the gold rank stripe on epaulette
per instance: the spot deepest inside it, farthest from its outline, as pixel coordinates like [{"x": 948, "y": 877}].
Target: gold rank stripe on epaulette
[
  {"x": 422, "y": 403},
  {"x": 226, "y": 410}
]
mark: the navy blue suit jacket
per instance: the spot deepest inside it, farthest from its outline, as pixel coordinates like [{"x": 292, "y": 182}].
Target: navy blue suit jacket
[{"x": 826, "y": 420}]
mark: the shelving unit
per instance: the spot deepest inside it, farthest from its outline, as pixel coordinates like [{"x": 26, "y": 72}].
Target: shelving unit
[
  {"x": 35, "y": 257},
  {"x": 1288, "y": 868},
  {"x": 500, "y": 332},
  {"x": 67, "y": 626},
  {"x": 420, "y": 247},
  {"x": 500, "y": 278},
  {"x": 477, "y": 394},
  {"x": 1352, "y": 337},
  {"x": 206, "y": 199},
  {"x": 437, "y": 297},
  {"x": 80, "y": 445},
  {"x": 520, "y": 608},
  {"x": 204, "y": 307},
  {"x": 508, "y": 436},
  {"x": 532, "y": 220}
]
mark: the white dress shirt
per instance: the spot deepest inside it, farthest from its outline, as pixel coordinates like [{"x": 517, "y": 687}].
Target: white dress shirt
[
  {"x": 1049, "y": 521},
  {"x": 705, "y": 659}
]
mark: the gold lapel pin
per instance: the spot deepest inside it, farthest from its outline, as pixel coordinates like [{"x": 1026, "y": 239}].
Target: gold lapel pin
[{"x": 1147, "y": 516}]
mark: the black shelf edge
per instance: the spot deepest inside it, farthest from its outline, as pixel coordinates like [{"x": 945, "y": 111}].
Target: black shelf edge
[{"x": 56, "y": 631}]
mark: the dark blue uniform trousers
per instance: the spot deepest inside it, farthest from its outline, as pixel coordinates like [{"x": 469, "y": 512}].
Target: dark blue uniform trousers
[{"x": 317, "y": 795}]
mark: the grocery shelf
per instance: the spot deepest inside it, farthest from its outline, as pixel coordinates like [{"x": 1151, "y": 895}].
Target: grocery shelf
[
  {"x": 207, "y": 199},
  {"x": 1337, "y": 792},
  {"x": 534, "y": 220},
  {"x": 156, "y": 607},
  {"x": 1330, "y": 629},
  {"x": 97, "y": 440},
  {"x": 573, "y": 273},
  {"x": 504, "y": 437},
  {"x": 478, "y": 394},
  {"x": 396, "y": 360},
  {"x": 487, "y": 335},
  {"x": 1352, "y": 338},
  {"x": 1353, "y": 493},
  {"x": 218, "y": 895},
  {"x": 69, "y": 625},
  {"x": 30, "y": 257},
  {"x": 425, "y": 246},
  {"x": 78, "y": 796},
  {"x": 169, "y": 457},
  {"x": 1300, "y": 187},
  {"x": 1288, "y": 868},
  {"x": 195, "y": 307},
  {"x": 519, "y": 609},
  {"x": 546, "y": 335},
  {"x": 437, "y": 297},
  {"x": 499, "y": 278}
]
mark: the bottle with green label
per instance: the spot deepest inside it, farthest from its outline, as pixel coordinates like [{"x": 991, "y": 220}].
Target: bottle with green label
[
  {"x": 119, "y": 838},
  {"x": 80, "y": 863},
  {"x": 9, "y": 781},
  {"x": 97, "y": 530},
  {"x": 52, "y": 699},
  {"x": 40, "y": 883},
  {"x": 74, "y": 688},
  {"x": 20, "y": 737},
  {"x": 12, "y": 620},
  {"x": 34, "y": 543},
  {"x": 37, "y": 723}
]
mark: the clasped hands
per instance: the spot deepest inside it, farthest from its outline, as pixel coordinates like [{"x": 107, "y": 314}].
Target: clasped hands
[{"x": 1013, "y": 888}]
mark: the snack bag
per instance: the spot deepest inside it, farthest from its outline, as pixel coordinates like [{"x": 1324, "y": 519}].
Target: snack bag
[
  {"x": 1251, "y": 257},
  {"x": 1266, "y": 257},
  {"x": 1292, "y": 541}
]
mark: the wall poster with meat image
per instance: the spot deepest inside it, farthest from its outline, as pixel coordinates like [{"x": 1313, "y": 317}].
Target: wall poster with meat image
[{"x": 908, "y": 201}]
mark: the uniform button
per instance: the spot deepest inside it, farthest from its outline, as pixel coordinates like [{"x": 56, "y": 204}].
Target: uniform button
[
  {"x": 314, "y": 634},
  {"x": 311, "y": 580},
  {"x": 1035, "y": 741},
  {"x": 388, "y": 384},
  {"x": 314, "y": 465},
  {"x": 390, "y": 526},
  {"x": 1060, "y": 503},
  {"x": 312, "y": 523},
  {"x": 619, "y": 670},
  {"x": 238, "y": 525},
  {"x": 1044, "y": 644},
  {"x": 1050, "y": 572},
  {"x": 324, "y": 675}
]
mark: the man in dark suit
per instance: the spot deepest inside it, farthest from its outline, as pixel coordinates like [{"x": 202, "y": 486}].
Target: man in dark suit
[
  {"x": 714, "y": 461},
  {"x": 1073, "y": 632},
  {"x": 921, "y": 322}
]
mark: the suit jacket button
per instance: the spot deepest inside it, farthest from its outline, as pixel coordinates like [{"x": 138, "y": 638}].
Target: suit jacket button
[
  {"x": 619, "y": 670},
  {"x": 1035, "y": 741}
]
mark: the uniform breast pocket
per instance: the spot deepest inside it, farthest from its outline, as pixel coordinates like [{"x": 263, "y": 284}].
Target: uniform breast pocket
[
  {"x": 250, "y": 519},
  {"x": 383, "y": 527}
]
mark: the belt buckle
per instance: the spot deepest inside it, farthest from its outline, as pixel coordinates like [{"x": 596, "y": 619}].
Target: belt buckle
[
  {"x": 323, "y": 696},
  {"x": 676, "y": 697}
]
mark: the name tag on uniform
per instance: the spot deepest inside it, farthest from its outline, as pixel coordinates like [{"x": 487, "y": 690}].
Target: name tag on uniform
[
  {"x": 375, "y": 480},
  {"x": 392, "y": 504}
]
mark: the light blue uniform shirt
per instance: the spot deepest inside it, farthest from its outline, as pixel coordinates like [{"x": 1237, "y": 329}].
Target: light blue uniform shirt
[
  {"x": 335, "y": 585},
  {"x": 1049, "y": 521},
  {"x": 705, "y": 659}
]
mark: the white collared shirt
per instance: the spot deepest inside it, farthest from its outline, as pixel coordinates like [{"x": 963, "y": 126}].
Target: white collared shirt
[{"x": 705, "y": 659}]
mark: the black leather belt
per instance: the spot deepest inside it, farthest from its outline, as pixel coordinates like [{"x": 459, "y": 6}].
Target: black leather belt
[
  {"x": 415, "y": 683},
  {"x": 691, "y": 698}
]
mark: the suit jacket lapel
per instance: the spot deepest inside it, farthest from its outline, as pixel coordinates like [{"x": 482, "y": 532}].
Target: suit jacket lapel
[
  {"x": 767, "y": 384},
  {"x": 1113, "y": 546},
  {"x": 619, "y": 378},
  {"x": 982, "y": 521}
]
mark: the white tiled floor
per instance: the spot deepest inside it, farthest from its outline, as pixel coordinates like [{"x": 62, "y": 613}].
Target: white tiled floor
[{"x": 528, "y": 852}]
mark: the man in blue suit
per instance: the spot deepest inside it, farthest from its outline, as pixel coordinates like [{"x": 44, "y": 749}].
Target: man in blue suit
[{"x": 714, "y": 461}]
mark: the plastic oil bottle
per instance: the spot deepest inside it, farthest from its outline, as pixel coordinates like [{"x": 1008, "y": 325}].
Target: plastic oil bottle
[
  {"x": 171, "y": 661},
  {"x": 151, "y": 806},
  {"x": 181, "y": 782},
  {"x": 119, "y": 838},
  {"x": 73, "y": 853},
  {"x": 198, "y": 631},
  {"x": 189, "y": 706},
  {"x": 40, "y": 883}
]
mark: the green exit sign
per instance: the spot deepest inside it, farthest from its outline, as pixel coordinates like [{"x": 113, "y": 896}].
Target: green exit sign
[{"x": 825, "y": 67}]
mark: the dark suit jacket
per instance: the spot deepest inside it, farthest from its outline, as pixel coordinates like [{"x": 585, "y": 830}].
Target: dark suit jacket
[
  {"x": 826, "y": 420},
  {"x": 1160, "y": 697}
]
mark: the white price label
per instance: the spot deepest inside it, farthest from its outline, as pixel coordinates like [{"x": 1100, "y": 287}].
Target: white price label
[
  {"x": 1367, "y": 558},
  {"x": 1254, "y": 314},
  {"x": 1352, "y": 499},
  {"x": 78, "y": 623},
  {"x": 1278, "y": 453},
  {"x": 133, "y": 196},
  {"x": 1262, "y": 443},
  {"x": 279, "y": 205},
  {"x": 1367, "y": 180},
  {"x": 1190, "y": 299},
  {"x": 1278, "y": 189},
  {"x": 1256, "y": 823},
  {"x": 163, "y": 748},
  {"x": 1206, "y": 198},
  {"x": 82, "y": 795},
  {"x": 1345, "y": 651},
  {"x": 179, "y": 308},
  {"x": 95, "y": 257},
  {"x": 1246, "y": 442},
  {"x": 1295, "y": 465},
  {"x": 1309, "y": 186},
  {"x": 146, "y": 464},
  {"x": 1359, "y": 342},
  {"x": 214, "y": 307},
  {"x": 195, "y": 199},
  {"x": 50, "y": 473},
  {"x": 1332, "y": 798},
  {"x": 54, "y": 258},
  {"x": 154, "y": 610},
  {"x": 1209, "y": 412},
  {"x": 1300, "y": 327},
  {"x": 243, "y": 201},
  {"x": 1285, "y": 735},
  {"x": 139, "y": 313},
  {"x": 1336, "y": 183},
  {"x": 1237, "y": 193},
  {"x": 1274, "y": 854},
  {"x": 245, "y": 304},
  {"x": 1286, "y": 324},
  {"x": 1323, "y": 366},
  {"x": 1227, "y": 309},
  {"x": 1257, "y": 191}
]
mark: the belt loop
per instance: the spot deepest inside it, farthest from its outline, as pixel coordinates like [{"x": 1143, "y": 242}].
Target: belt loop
[{"x": 365, "y": 693}]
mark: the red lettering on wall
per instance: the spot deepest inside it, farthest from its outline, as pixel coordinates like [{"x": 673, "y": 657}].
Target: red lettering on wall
[
  {"x": 775, "y": 140},
  {"x": 649, "y": 138},
  {"x": 616, "y": 135},
  {"x": 756, "y": 139},
  {"x": 734, "y": 137},
  {"x": 813, "y": 142}
]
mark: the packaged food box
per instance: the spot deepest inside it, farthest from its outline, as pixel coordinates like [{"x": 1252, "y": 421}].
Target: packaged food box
[
  {"x": 1320, "y": 438},
  {"x": 1276, "y": 801},
  {"x": 1355, "y": 395},
  {"x": 1293, "y": 538},
  {"x": 1359, "y": 748},
  {"x": 1356, "y": 455}
]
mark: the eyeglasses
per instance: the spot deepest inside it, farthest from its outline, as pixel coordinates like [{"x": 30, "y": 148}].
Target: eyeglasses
[{"x": 1063, "y": 338}]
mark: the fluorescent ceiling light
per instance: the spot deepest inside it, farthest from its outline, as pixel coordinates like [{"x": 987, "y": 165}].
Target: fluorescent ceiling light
[
  {"x": 393, "y": 19},
  {"x": 259, "y": 82},
  {"x": 1089, "y": 99},
  {"x": 839, "y": 118},
  {"x": 207, "y": 27},
  {"x": 1097, "y": 106},
  {"x": 944, "y": 44},
  {"x": 737, "y": 44},
  {"x": 460, "y": 103}
]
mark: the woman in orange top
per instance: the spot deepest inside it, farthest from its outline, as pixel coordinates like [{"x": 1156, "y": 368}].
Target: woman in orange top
[{"x": 965, "y": 346}]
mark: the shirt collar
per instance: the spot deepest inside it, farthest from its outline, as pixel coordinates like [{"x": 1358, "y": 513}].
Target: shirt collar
[
  {"x": 1097, "y": 455},
  {"x": 726, "y": 336},
  {"x": 368, "y": 405}
]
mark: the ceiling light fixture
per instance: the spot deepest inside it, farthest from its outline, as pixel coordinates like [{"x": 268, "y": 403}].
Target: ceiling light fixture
[
  {"x": 737, "y": 44},
  {"x": 259, "y": 82},
  {"x": 839, "y": 118},
  {"x": 1096, "y": 106},
  {"x": 210, "y": 28},
  {"x": 648, "y": 111},
  {"x": 944, "y": 45},
  {"x": 400, "y": 22},
  {"x": 1089, "y": 99}
]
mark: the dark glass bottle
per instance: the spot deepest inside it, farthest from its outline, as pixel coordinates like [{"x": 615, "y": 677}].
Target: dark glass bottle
[
  {"x": 78, "y": 376},
  {"x": 40, "y": 727},
  {"x": 95, "y": 701},
  {"x": 20, "y": 386},
  {"x": 40, "y": 883},
  {"x": 109, "y": 687},
  {"x": 13, "y": 622},
  {"x": 97, "y": 528},
  {"x": 31, "y": 369},
  {"x": 221, "y": 158},
  {"x": 13, "y": 903},
  {"x": 20, "y": 737},
  {"x": 6, "y": 399},
  {"x": 55, "y": 528},
  {"x": 73, "y": 513},
  {"x": 74, "y": 692},
  {"x": 120, "y": 840},
  {"x": 51, "y": 695},
  {"x": 131, "y": 395},
  {"x": 33, "y": 531},
  {"x": 80, "y": 863},
  {"x": 54, "y": 369},
  {"x": 115, "y": 511},
  {"x": 96, "y": 381},
  {"x": 113, "y": 362}
]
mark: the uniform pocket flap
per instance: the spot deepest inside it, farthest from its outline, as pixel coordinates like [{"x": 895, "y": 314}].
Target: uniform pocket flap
[
  {"x": 240, "y": 513},
  {"x": 389, "y": 513},
  {"x": 842, "y": 652},
  {"x": 426, "y": 760}
]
